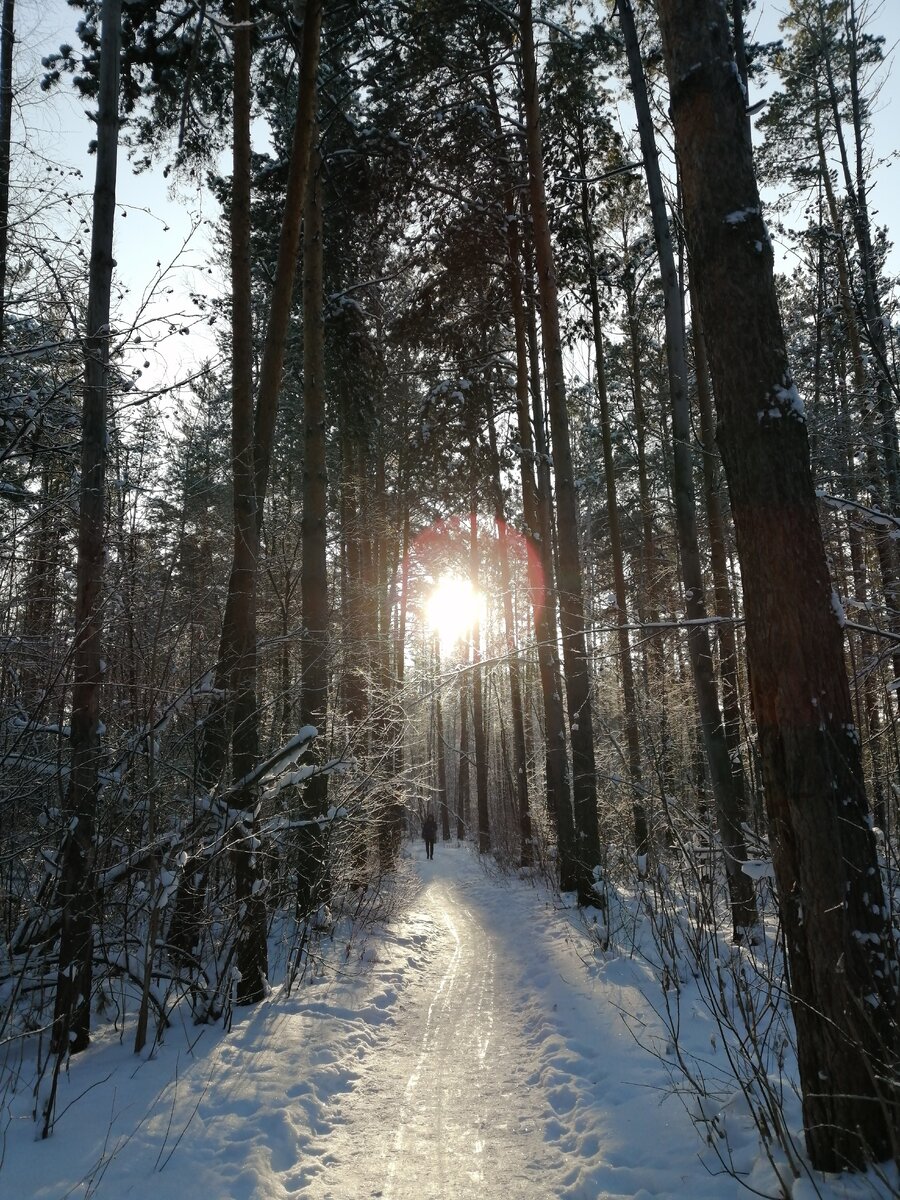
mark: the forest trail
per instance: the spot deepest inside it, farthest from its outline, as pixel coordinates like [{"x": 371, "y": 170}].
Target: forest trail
[
  {"x": 446, "y": 1110},
  {"x": 497, "y": 1075},
  {"x": 474, "y": 1048}
]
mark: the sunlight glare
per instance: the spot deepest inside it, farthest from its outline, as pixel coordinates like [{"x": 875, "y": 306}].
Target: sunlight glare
[{"x": 453, "y": 607}]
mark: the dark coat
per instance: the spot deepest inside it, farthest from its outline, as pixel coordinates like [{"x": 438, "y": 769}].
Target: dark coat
[{"x": 429, "y": 829}]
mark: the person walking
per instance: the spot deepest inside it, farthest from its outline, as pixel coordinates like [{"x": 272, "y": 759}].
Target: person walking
[{"x": 429, "y": 833}]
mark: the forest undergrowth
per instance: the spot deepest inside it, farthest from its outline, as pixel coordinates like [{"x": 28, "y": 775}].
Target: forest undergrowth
[{"x": 728, "y": 1045}]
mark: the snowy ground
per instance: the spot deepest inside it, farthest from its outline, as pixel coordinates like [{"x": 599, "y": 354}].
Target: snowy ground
[{"x": 478, "y": 1049}]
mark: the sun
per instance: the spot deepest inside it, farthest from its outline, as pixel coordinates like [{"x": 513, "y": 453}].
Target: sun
[{"x": 453, "y": 608}]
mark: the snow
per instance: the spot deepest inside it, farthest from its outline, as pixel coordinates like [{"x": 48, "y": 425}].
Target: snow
[
  {"x": 783, "y": 400},
  {"x": 740, "y": 215},
  {"x": 758, "y": 870},
  {"x": 838, "y": 609},
  {"x": 483, "y": 1043}
]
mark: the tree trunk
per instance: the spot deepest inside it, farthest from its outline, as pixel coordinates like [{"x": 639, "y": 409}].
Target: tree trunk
[
  {"x": 252, "y": 957},
  {"x": 724, "y": 607},
  {"x": 537, "y": 507},
  {"x": 441, "y": 749},
  {"x": 729, "y": 806},
  {"x": 313, "y": 699},
  {"x": 7, "y": 40},
  {"x": 544, "y": 599},
  {"x": 314, "y": 575},
  {"x": 571, "y": 601},
  {"x": 885, "y": 545},
  {"x": 517, "y": 711},
  {"x": 353, "y": 596},
  {"x": 71, "y": 1017},
  {"x": 740, "y": 58},
  {"x": 538, "y": 521},
  {"x": 859, "y": 211},
  {"x": 840, "y": 950},
  {"x": 216, "y": 731},
  {"x": 626, "y": 666},
  {"x": 280, "y": 307},
  {"x": 479, "y": 734},
  {"x": 651, "y": 568},
  {"x": 463, "y": 778}
]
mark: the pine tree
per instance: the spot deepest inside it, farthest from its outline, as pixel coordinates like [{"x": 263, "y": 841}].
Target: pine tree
[{"x": 842, "y": 961}]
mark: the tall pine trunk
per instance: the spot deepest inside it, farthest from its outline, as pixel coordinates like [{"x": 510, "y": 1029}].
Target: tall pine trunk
[
  {"x": 440, "y": 749},
  {"x": 841, "y": 956},
  {"x": 729, "y": 802},
  {"x": 7, "y": 40},
  {"x": 543, "y": 591},
  {"x": 479, "y": 733},
  {"x": 569, "y": 579},
  {"x": 537, "y": 521},
  {"x": 314, "y": 571},
  {"x": 724, "y": 606},
  {"x": 517, "y": 710},
  {"x": 626, "y": 665},
  {"x": 252, "y": 957},
  {"x": 71, "y": 1016},
  {"x": 216, "y": 731}
]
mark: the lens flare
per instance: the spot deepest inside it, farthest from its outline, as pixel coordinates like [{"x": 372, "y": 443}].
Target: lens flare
[{"x": 453, "y": 608}]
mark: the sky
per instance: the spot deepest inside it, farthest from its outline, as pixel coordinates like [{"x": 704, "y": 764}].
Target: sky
[
  {"x": 161, "y": 228},
  {"x": 884, "y": 21},
  {"x": 163, "y": 236}
]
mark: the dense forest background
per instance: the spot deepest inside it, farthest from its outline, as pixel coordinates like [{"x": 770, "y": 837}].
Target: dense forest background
[{"x": 521, "y": 485}]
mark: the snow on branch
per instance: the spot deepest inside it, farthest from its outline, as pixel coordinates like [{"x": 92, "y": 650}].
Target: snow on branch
[{"x": 874, "y": 516}]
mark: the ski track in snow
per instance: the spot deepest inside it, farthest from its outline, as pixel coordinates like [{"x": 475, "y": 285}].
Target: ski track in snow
[{"x": 478, "y": 1057}]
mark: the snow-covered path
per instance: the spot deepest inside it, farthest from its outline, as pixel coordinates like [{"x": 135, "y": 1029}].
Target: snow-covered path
[
  {"x": 505, "y": 1070},
  {"x": 446, "y": 1110},
  {"x": 479, "y": 1051}
]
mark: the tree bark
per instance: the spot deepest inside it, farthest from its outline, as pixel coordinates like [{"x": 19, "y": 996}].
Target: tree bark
[
  {"x": 463, "y": 777},
  {"x": 252, "y": 956},
  {"x": 729, "y": 806},
  {"x": 441, "y": 749},
  {"x": 538, "y": 521},
  {"x": 280, "y": 306},
  {"x": 885, "y": 545},
  {"x": 72, "y": 1009},
  {"x": 7, "y": 41},
  {"x": 724, "y": 607},
  {"x": 651, "y": 567},
  {"x": 216, "y": 731},
  {"x": 517, "y": 710},
  {"x": 840, "y": 951},
  {"x": 571, "y": 599},
  {"x": 479, "y": 735},
  {"x": 859, "y": 212},
  {"x": 626, "y": 665},
  {"x": 314, "y": 572}
]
